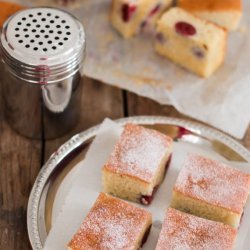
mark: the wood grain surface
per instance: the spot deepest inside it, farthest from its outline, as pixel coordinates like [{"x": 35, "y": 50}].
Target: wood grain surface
[
  {"x": 20, "y": 162},
  {"x": 21, "y": 158}
]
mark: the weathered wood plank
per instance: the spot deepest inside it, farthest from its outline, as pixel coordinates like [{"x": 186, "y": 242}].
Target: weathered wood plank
[
  {"x": 98, "y": 102},
  {"x": 20, "y": 161},
  {"x": 143, "y": 106}
]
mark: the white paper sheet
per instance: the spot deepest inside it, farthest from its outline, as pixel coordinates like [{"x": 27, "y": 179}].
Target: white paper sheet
[{"x": 85, "y": 179}]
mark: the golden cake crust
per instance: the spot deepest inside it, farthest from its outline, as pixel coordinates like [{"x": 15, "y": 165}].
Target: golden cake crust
[
  {"x": 138, "y": 153},
  {"x": 110, "y": 224},
  {"x": 214, "y": 183},
  {"x": 185, "y": 231},
  {"x": 210, "y": 5}
]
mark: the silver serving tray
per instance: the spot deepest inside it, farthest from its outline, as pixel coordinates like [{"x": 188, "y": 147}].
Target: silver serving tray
[{"x": 39, "y": 214}]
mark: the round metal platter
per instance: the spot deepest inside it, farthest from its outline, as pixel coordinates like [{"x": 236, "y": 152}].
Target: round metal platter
[{"x": 39, "y": 215}]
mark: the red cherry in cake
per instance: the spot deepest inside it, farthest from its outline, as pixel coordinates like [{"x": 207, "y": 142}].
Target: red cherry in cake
[
  {"x": 160, "y": 37},
  {"x": 127, "y": 11},
  {"x": 155, "y": 10},
  {"x": 147, "y": 199},
  {"x": 198, "y": 52},
  {"x": 182, "y": 132},
  {"x": 185, "y": 29},
  {"x": 144, "y": 24},
  {"x": 151, "y": 13}
]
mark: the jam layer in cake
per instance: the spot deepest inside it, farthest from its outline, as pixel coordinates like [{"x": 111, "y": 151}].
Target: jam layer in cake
[
  {"x": 137, "y": 164},
  {"x": 191, "y": 42},
  {"x": 212, "y": 190},
  {"x": 225, "y": 13},
  {"x": 112, "y": 224},
  {"x": 185, "y": 231}
]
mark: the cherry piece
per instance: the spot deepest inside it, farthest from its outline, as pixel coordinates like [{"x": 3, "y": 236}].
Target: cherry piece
[
  {"x": 198, "y": 52},
  {"x": 127, "y": 11},
  {"x": 155, "y": 10},
  {"x": 160, "y": 37},
  {"x": 144, "y": 24},
  {"x": 181, "y": 132},
  {"x": 185, "y": 29},
  {"x": 147, "y": 199}
]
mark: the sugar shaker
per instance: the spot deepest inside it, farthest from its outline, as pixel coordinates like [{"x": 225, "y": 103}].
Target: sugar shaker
[{"x": 42, "y": 52}]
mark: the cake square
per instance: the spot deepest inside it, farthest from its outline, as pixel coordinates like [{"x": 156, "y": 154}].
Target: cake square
[
  {"x": 131, "y": 16},
  {"x": 212, "y": 190},
  {"x": 138, "y": 164},
  {"x": 191, "y": 42},
  {"x": 181, "y": 231},
  {"x": 112, "y": 224},
  {"x": 226, "y": 13}
]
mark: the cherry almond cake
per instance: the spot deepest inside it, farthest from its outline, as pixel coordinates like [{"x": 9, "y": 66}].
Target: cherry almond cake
[
  {"x": 212, "y": 190},
  {"x": 181, "y": 231},
  {"x": 130, "y": 16},
  {"x": 112, "y": 224},
  {"x": 191, "y": 42},
  {"x": 138, "y": 164},
  {"x": 226, "y": 13}
]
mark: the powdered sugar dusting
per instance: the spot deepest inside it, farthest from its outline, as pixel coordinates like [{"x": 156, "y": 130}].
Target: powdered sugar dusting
[
  {"x": 111, "y": 224},
  {"x": 213, "y": 182},
  {"x": 139, "y": 152},
  {"x": 185, "y": 232}
]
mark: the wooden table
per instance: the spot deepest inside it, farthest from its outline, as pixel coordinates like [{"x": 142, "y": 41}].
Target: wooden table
[{"x": 21, "y": 158}]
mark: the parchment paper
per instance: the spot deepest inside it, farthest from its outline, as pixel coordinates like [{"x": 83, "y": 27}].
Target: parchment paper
[
  {"x": 85, "y": 182},
  {"x": 222, "y": 100}
]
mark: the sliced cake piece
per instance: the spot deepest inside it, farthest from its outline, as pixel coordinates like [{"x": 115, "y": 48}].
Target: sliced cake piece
[
  {"x": 138, "y": 163},
  {"x": 212, "y": 190},
  {"x": 226, "y": 13},
  {"x": 193, "y": 43},
  {"x": 130, "y": 16},
  {"x": 112, "y": 224},
  {"x": 181, "y": 231}
]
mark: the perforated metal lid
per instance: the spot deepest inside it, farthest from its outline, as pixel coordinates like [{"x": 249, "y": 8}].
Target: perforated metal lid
[{"x": 43, "y": 43}]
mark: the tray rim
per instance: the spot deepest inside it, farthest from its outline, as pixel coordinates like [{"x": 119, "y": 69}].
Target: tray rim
[{"x": 78, "y": 139}]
